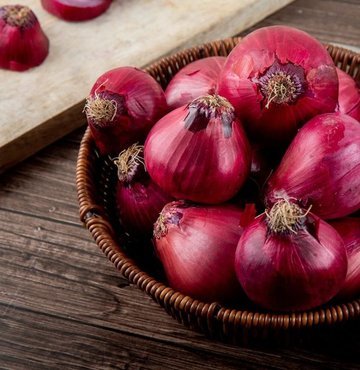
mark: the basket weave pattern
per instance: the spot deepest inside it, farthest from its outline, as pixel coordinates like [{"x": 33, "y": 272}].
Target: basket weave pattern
[{"x": 95, "y": 185}]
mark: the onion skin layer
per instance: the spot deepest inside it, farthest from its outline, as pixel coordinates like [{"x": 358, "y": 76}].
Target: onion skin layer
[
  {"x": 197, "y": 250},
  {"x": 199, "y": 165},
  {"x": 195, "y": 79},
  {"x": 349, "y": 95},
  {"x": 349, "y": 230},
  {"x": 321, "y": 167},
  {"x": 22, "y": 47},
  {"x": 253, "y": 56},
  {"x": 141, "y": 103},
  {"x": 294, "y": 271},
  {"x": 76, "y": 10}
]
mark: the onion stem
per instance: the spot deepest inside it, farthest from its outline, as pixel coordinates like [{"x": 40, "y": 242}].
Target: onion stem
[
  {"x": 160, "y": 227},
  {"x": 128, "y": 162},
  {"x": 100, "y": 110},
  {"x": 280, "y": 89},
  {"x": 285, "y": 216}
]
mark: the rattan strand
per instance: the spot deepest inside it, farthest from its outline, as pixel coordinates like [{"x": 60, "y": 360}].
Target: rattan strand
[{"x": 211, "y": 318}]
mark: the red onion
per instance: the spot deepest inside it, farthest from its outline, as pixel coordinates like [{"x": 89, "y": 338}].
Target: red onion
[
  {"x": 199, "y": 152},
  {"x": 139, "y": 200},
  {"x": 123, "y": 105},
  {"x": 321, "y": 167},
  {"x": 290, "y": 260},
  {"x": 349, "y": 230},
  {"x": 349, "y": 95},
  {"x": 196, "y": 245},
  {"x": 23, "y": 44},
  {"x": 196, "y": 79},
  {"x": 277, "y": 78},
  {"x": 76, "y": 10}
]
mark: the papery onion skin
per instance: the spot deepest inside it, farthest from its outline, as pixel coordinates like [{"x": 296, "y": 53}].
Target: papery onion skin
[
  {"x": 195, "y": 79},
  {"x": 76, "y": 10},
  {"x": 196, "y": 245},
  {"x": 349, "y": 95},
  {"x": 246, "y": 74},
  {"x": 139, "y": 101},
  {"x": 321, "y": 167},
  {"x": 207, "y": 162},
  {"x": 349, "y": 229},
  {"x": 291, "y": 271},
  {"x": 23, "y": 43}
]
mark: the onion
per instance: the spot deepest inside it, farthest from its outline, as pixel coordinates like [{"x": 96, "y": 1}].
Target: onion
[
  {"x": 277, "y": 78},
  {"x": 76, "y": 10},
  {"x": 196, "y": 79},
  {"x": 288, "y": 259},
  {"x": 196, "y": 245},
  {"x": 199, "y": 152},
  {"x": 321, "y": 167},
  {"x": 349, "y": 230},
  {"x": 139, "y": 200},
  {"x": 349, "y": 95},
  {"x": 23, "y": 44},
  {"x": 123, "y": 105}
]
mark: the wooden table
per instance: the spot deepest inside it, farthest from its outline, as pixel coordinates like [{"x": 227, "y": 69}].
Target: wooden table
[{"x": 64, "y": 306}]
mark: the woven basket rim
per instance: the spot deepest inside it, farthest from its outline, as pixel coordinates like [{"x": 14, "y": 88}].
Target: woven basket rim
[{"x": 94, "y": 218}]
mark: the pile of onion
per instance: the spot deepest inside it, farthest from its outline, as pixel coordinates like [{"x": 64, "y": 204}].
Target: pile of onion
[{"x": 249, "y": 168}]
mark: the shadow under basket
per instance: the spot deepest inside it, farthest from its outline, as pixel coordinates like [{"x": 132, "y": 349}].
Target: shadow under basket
[{"x": 96, "y": 180}]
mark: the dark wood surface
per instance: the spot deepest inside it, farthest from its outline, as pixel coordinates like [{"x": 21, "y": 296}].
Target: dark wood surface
[{"x": 64, "y": 306}]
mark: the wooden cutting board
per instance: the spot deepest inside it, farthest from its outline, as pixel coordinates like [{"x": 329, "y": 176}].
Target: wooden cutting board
[{"x": 43, "y": 104}]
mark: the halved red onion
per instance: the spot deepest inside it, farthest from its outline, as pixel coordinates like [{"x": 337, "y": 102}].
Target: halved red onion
[
  {"x": 321, "y": 167},
  {"x": 139, "y": 200},
  {"x": 349, "y": 95},
  {"x": 196, "y": 245},
  {"x": 195, "y": 79},
  {"x": 349, "y": 230},
  {"x": 199, "y": 152},
  {"x": 288, "y": 259},
  {"x": 76, "y": 10},
  {"x": 277, "y": 78},
  {"x": 123, "y": 105}
]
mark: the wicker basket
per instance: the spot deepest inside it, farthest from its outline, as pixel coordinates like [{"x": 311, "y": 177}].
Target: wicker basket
[{"x": 96, "y": 178}]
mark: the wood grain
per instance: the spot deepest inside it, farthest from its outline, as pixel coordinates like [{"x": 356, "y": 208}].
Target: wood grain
[
  {"x": 64, "y": 306},
  {"x": 45, "y": 103},
  {"x": 56, "y": 284}
]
